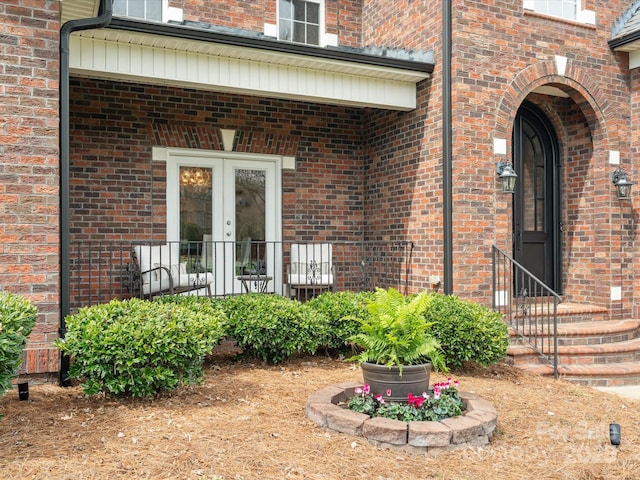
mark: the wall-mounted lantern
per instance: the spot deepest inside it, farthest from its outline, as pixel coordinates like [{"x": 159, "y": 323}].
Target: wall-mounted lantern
[
  {"x": 507, "y": 177},
  {"x": 622, "y": 183}
]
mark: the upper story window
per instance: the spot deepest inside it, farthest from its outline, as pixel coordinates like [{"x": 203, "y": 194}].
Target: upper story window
[
  {"x": 147, "y": 9},
  {"x": 568, "y": 9},
  {"x": 300, "y": 21}
]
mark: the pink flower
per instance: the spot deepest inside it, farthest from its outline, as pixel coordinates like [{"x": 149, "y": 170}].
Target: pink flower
[
  {"x": 388, "y": 392},
  {"x": 357, "y": 390},
  {"x": 415, "y": 401},
  {"x": 379, "y": 398},
  {"x": 366, "y": 388},
  {"x": 436, "y": 394},
  {"x": 456, "y": 383}
]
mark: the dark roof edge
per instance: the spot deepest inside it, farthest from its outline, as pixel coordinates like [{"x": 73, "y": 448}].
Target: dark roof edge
[
  {"x": 621, "y": 41},
  {"x": 329, "y": 53}
]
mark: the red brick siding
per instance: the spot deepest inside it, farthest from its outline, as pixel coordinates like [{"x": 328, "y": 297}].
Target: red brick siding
[
  {"x": 342, "y": 18},
  {"x": 632, "y": 284},
  {"x": 29, "y": 220},
  {"x": 501, "y": 54},
  {"x": 117, "y": 192}
]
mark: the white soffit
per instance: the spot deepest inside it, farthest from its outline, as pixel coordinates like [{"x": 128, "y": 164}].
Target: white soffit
[
  {"x": 75, "y": 9},
  {"x": 165, "y": 60}
]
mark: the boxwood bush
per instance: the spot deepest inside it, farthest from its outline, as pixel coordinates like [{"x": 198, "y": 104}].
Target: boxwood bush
[
  {"x": 17, "y": 318},
  {"x": 273, "y": 328},
  {"x": 467, "y": 331},
  {"x": 345, "y": 312},
  {"x": 137, "y": 348}
]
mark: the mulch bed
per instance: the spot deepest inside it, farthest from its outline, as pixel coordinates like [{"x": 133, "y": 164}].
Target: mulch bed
[{"x": 247, "y": 421}]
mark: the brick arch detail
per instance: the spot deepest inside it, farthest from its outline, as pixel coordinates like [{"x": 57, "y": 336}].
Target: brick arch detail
[
  {"x": 210, "y": 138},
  {"x": 580, "y": 86}
]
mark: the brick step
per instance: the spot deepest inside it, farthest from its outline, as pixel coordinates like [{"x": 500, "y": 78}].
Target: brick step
[
  {"x": 596, "y": 375},
  {"x": 583, "y": 333},
  {"x": 618, "y": 352},
  {"x": 566, "y": 312}
]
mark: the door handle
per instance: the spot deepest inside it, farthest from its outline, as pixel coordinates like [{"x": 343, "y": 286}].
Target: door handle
[{"x": 228, "y": 234}]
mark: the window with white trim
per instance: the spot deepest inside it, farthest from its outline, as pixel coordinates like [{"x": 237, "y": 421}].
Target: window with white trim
[
  {"x": 146, "y": 9},
  {"x": 568, "y": 9},
  {"x": 301, "y": 21}
]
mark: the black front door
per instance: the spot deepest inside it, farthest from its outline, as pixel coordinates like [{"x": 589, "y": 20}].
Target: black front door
[{"x": 536, "y": 219}]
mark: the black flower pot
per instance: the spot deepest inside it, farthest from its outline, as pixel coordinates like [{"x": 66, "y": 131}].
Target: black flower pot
[{"x": 414, "y": 379}]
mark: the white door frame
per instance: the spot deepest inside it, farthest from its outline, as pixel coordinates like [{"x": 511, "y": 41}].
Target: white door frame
[{"x": 215, "y": 159}]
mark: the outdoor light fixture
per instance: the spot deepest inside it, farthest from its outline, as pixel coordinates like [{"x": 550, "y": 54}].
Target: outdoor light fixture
[
  {"x": 622, "y": 183},
  {"x": 507, "y": 176}
]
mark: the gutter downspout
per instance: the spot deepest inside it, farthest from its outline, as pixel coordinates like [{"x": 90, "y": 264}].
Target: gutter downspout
[
  {"x": 447, "y": 200},
  {"x": 65, "y": 297}
]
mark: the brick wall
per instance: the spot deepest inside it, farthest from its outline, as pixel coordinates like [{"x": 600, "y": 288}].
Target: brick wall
[
  {"x": 633, "y": 284},
  {"x": 29, "y": 220},
  {"x": 117, "y": 192},
  {"x": 404, "y": 166},
  {"x": 501, "y": 54},
  {"x": 342, "y": 17}
]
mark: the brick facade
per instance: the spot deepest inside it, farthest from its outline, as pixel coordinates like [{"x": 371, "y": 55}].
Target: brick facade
[
  {"x": 29, "y": 192},
  {"x": 119, "y": 123},
  {"x": 360, "y": 173}
]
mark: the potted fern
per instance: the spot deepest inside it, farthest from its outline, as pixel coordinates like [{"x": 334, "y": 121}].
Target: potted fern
[{"x": 398, "y": 352}]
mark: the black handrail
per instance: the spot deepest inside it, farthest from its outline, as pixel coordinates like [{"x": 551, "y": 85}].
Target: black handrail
[{"x": 528, "y": 305}]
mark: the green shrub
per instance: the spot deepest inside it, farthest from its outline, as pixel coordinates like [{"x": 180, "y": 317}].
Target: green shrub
[
  {"x": 345, "y": 312},
  {"x": 17, "y": 318},
  {"x": 273, "y": 328},
  {"x": 467, "y": 331},
  {"x": 198, "y": 304},
  {"x": 138, "y": 348}
]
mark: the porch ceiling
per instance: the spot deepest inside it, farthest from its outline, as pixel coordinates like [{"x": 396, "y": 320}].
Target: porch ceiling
[{"x": 181, "y": 56}]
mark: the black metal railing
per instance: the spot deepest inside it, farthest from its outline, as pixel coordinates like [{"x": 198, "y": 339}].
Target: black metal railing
[
  {"x": 528, "y": 305},
  {"x": 104, "y": 270}
]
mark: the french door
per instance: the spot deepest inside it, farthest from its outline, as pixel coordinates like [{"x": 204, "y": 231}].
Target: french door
[{"x": 226, "y": 212}]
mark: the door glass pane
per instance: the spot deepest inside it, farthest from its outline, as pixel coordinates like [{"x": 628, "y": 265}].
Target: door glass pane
[
  {"x": 528, "y": 197},
  {"x": 250, "y": 220},
  {"x": 533, "y": 199},
  {"x": 195, "y": 203}
]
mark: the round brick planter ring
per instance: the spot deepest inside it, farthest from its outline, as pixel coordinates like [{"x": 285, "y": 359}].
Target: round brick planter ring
[{"x": 474, "y": 428}]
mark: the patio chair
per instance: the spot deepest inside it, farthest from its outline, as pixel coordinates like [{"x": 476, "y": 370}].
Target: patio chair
[
  {"x": 311, "y": 267},
  {"x": 161, "y": 272}
]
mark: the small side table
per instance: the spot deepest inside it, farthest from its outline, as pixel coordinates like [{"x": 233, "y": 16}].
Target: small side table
[{"x": 260, "y": 283}]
